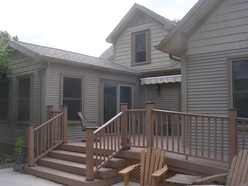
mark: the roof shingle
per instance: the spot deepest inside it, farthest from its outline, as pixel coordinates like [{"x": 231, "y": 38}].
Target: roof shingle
[{"x": 76, "y": 57}]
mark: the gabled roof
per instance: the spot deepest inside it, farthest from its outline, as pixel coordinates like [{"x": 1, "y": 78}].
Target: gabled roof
[
  {"x": 131, "y": 15},
  {"x": 66, "y": 57},
  {"x": 176, "y": 41},
  {"x": 107, "y": 53}
]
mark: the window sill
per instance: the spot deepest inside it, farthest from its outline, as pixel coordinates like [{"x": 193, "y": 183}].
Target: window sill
[{"x": 140, "y": 63}]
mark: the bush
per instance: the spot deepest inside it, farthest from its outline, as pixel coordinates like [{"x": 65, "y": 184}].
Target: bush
[{"x": 19, "y": 144}]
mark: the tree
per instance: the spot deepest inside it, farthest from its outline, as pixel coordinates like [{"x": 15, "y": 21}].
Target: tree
[
  {"x": 176, "y": 20},
  {"x": 5, "y": 55}
]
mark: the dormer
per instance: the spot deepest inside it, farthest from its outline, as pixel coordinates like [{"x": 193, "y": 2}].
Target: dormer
[
  {"x": 136, "y": 35},
  {"x": 135, "y": 17}
]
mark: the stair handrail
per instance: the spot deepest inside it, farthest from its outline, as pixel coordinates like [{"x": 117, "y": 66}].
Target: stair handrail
[
  {"x": 105, "y": 142},
  {"x": 49, "y": 135}
]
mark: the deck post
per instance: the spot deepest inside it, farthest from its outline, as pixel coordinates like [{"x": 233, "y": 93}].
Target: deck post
[
  {"x": 50, "y": 128},
  {"x": 124, "y": 138},
  {"x": 49, "y": 109},
  {"x": 64, "y": 123},
  {"x": 30, "y": 145},
  {"x": 149, "y": 124},
  {"x": 89, "y": 154},
  {"x": 232, "y": 134}
]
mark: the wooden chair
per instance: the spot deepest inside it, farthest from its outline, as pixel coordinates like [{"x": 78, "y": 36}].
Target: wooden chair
[
  {"x": 152, "y": 167},
  {"x": 238, "y": 172},
  {"x": 86, "y": 123}
]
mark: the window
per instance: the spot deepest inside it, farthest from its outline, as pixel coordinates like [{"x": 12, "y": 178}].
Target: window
[
  {"x": 240, "y": 87},
  {"x": 4, "y": 101},
  {"x": 72, "y": 96},
  {"x": 24, "y": 99},
  {"x": 141, "y": 47}
]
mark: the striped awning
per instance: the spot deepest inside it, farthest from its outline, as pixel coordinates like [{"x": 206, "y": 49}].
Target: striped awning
[{"x": 160, "y": 79}]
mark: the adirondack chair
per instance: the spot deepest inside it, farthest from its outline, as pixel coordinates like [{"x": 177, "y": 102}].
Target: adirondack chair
[
  {"x": 152, "y": 167},
  {"x": 238, "y": 173},
  {"x": 86, "y": 123}
]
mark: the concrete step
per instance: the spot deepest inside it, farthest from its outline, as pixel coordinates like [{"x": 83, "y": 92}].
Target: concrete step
[
  {"x": 81, "y": 158},
  {"x": 75, "y": 167},
  {"x": 63, "y": 177}
]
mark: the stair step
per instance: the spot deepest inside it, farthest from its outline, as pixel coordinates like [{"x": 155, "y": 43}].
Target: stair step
[
  {"x": 62, "y": 176},
  {"x": 78, "y": 147},
  {"x": 75, "y": 167},
  {"x": 81, "y": 158},
  {"x": 75, "y": 147}
]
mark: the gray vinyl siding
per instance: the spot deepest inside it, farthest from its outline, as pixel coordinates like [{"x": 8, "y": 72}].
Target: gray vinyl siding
[
  {"x": 123, "y": 47},
  {"x": 226, "y": 29},
  {"x": 222, "y": 37},
  {"x": 207, "y": 85},
  {"x": 20, "y": 66},
  {"x": 207, "y": 89},
  {"x": 91, "y": 83},
  {"x": 207, "y": 82},
  {"x": 167, "y": 99}
]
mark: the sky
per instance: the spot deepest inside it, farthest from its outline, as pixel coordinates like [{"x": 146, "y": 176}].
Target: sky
[{"x": 76, "y": 25}]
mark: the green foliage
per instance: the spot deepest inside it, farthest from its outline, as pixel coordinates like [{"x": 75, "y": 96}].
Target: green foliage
[
  {"x": 176, "y": 20},
  {"x": 5, "y": 55},
  {"x": 19, "y": 144}
]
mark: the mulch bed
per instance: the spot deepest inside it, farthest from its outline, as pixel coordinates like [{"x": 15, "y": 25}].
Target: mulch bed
[{"x": 6, "y": 160}]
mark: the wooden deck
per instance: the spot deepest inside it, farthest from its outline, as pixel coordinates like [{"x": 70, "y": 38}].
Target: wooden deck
[
  {"x": 176, "y": 162},
  {"x": 67, "y": 165}
]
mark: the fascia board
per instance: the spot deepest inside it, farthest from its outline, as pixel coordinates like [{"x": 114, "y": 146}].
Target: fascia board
[
  {"x": 79, "y": 64},
  {"x": 23, "y": 50}
]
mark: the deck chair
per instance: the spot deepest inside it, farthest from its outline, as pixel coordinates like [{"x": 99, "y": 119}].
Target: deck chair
[
  {"x": 86, "y": 123},
  {"x": 238, "y": 173},
  {"x": 152, "y": 167}
]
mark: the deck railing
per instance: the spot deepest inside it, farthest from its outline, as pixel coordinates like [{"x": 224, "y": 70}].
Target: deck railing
[
  {"x": 192, "y": 135},
  {"x": 212, "y": 137},
  {"x": 242, "y": 132},
  {"x": 105, "y": 142},
  {"x": 48, "y": 136}
]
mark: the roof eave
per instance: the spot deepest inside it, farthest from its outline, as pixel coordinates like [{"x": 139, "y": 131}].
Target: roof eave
[
  {"x": 23, "y": 50},
  {"x": 129, "y": 16},
  {"x": 122, "y": 24},
  {"x": 162, "y": 46}
]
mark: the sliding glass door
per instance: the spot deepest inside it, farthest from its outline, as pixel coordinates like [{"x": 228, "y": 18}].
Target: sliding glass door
[
  {"x": 113, "y": 95},
  {"x": 126, "y": 95},
  {"x": 110, "y": 101}
]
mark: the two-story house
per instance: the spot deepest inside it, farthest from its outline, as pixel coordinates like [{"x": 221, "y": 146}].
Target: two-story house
[{"x": 131, "y": 71}]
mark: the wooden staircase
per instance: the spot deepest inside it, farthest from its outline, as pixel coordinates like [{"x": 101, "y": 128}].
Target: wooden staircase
[{"x": 66, "y": 165}]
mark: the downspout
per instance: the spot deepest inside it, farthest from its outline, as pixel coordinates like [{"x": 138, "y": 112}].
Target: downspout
[
  {"x": 39, "y": 89},
  {"x": 174, "y": 58}
]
